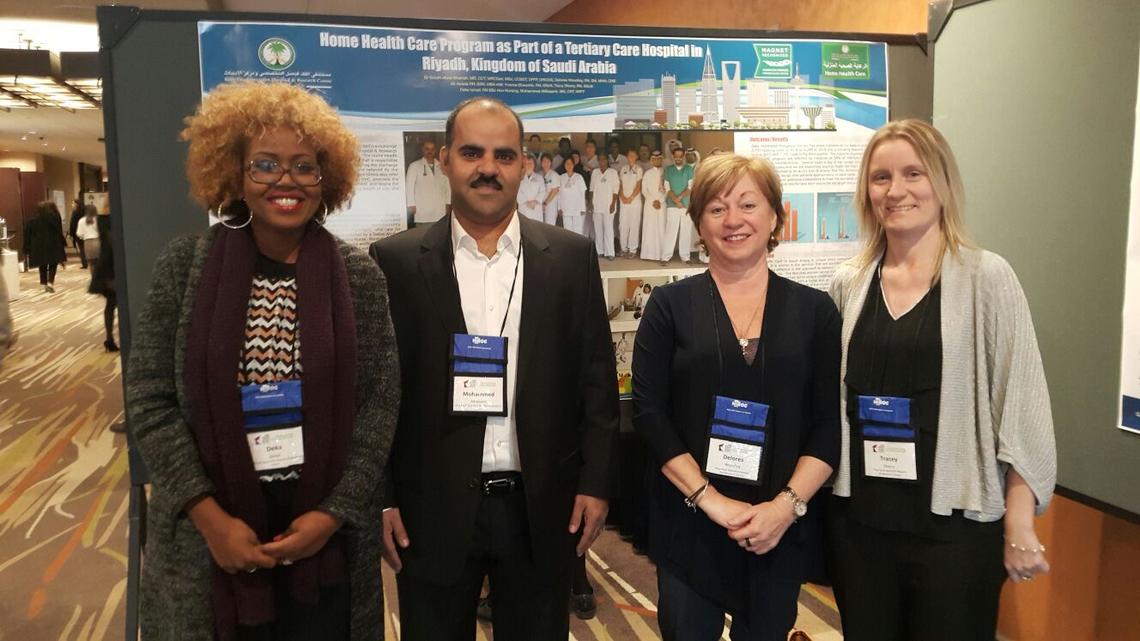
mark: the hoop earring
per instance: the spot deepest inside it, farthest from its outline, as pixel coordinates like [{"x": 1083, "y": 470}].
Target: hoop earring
[
  {"x": 320, "y": 218},
  {"x": 248, "y": 219},
  {"x": 243, "y": 225}
]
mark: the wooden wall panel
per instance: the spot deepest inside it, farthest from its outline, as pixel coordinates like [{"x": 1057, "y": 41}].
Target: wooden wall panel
[
  {"x": 11, "y": 209},
  {"x": 1090, "y": 594},
  {"x": 865, "y": 16}
]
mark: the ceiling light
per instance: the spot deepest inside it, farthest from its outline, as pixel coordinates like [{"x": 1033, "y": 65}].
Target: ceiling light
[{"x": 36, "y": 78}]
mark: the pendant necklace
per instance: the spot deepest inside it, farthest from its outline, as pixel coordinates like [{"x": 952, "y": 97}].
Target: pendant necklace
[{"x": 740, "y": 338}]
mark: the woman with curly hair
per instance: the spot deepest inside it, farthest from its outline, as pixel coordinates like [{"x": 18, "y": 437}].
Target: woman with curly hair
[{"x": 265, "y": 458}]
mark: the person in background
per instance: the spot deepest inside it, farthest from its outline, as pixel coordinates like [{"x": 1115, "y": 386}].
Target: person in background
[
  {"x": 562, "y": 154},
  {"x": 653, "y": 213},
  {"x": 604, "y": 186},
  {"x": 87, "y": 232},
  {"x": 590, "y": 159},
  {"x": 641, "y": 299},
  {"x": 534, "y": 148},
  {"x": 613, "y": 150},
  {"x": 572, "y": 198},
  {"x": 428, "y": 193},
  {"x": 948, "y": 445},
  {"x": 44, "y": 244},
  {"x": 72, "y": 231},
  {"x": 102, "y": 260},
  {"x": 7, "y": 331},
  {"x": 693, "y": 158},
  {"x": 553, "y": 180},
  {"x": 532, "y": 191},
  {"x": 678, "y": 232},
  {"x": 629, "y": 217},
  {"x": 643, "y": 157},
  {"x": 730, "y": 525},
  {"x": 263, "y": 388}
]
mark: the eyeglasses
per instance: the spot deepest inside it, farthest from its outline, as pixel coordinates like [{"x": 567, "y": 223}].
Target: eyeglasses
[{"x": 266, "y": 171}]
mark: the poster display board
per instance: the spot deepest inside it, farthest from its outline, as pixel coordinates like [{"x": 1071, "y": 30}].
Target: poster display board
[
  {"x": 1130, "y": 347},
  {"x": 808, "y": 106}
]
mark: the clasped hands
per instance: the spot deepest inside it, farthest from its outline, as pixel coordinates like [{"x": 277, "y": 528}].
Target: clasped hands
[
  {"x": 235, "y": 547},
  {"x": 756, "y": 528}
]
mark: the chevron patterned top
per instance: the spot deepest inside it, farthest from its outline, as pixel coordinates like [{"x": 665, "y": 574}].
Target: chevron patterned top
[{"x": 272, "y": 348}]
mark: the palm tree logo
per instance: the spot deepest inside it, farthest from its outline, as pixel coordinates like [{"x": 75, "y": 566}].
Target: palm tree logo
[{"x": 276, "y": 54}]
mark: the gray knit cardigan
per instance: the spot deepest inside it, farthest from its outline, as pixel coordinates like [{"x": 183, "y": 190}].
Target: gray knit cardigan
[
  {"x": 175, "y": 589},
  {"x": 994, "y": 410}
]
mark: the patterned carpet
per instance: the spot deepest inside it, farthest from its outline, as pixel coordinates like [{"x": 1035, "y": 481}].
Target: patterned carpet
[
  {"x": 63, "y": 474},
  {"x": 64, "y": 482}
]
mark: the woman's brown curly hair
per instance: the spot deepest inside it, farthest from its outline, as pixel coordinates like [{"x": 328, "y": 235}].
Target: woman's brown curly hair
[{"x": 235, "y": 113}]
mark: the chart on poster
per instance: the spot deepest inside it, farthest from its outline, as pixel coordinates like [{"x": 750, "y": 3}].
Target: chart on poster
[
  {"x": 806, "y": 105},
  {"x": 1130, "y": 347}
]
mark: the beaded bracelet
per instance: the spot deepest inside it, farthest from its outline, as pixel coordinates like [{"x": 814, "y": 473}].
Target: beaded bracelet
[
  {"x": 1040, "y": 549},
  {"x": 694, "y": 498}
]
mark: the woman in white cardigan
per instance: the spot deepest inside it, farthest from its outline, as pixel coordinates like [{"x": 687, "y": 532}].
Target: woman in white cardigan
[{"x": 947, "y": 444}]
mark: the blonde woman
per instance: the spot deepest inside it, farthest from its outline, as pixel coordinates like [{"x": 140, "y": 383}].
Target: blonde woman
[{"x": 948, "y": 447}]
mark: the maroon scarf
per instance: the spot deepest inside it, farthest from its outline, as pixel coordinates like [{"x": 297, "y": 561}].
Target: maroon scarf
[{"x": 327, "y": 326}]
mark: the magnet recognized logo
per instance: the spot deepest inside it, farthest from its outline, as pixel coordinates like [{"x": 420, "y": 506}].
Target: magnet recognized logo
[{"x": 277, "y": 54}]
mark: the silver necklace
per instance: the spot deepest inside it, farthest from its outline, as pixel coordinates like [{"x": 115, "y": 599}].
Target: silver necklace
[{"x": 740, "y": 338}]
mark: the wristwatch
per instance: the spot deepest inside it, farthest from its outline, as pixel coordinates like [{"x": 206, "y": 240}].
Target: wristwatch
[{"x": 799, "y": 506}]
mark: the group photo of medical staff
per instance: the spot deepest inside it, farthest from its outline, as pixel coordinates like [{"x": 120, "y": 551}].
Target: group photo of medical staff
[{"x": 630, "y": 195}]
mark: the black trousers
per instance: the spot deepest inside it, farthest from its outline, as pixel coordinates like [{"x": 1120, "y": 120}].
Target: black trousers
[
  {"x": 684, "y": 614},
  {"x": 894, "y": 586},
  {"x": 47, "y": 274},
  {"x": 529, "y": 605}
]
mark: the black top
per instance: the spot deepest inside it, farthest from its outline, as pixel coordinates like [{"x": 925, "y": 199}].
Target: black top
[
  {"x": 898, "y": 357},
  {"x": 676, "y": 373}
]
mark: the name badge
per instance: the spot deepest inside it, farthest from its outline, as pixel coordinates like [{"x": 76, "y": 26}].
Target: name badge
[
  {"x": 260, "y": 398},
  {"x": 275, "y": 449},
  {"x": 890, "y": 452},
  {"x": 737, "y": 443},
  {"x": 478, "y": 377},
  {"x": 273, "y": 418},
  {"x": 893, "y": 410}
]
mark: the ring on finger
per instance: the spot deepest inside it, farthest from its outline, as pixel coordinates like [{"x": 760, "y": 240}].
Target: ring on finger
[
  {"x": 252, "y": 570},
  {"x": 286, "y": 562}
]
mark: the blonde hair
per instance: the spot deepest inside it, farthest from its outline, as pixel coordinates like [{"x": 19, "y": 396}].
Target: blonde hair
[
  {"x": 720, "y": 173},
  {"x": 941, "y": 167},
  {"x": 235, "y": 113}
]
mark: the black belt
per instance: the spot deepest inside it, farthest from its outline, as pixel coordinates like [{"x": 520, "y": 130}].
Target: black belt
[{"x": 495, "y": 483}]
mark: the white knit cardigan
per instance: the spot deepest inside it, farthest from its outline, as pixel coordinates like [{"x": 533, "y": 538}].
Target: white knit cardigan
[{"x": 994, "y": 410}]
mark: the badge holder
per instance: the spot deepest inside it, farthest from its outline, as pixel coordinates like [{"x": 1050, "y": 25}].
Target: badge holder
[
  {"x": 478, "y": 377},
  {"x": 890, "y": 444},
  {"x": 272, "y": 416},
  {"x": 737, "y": 440}
]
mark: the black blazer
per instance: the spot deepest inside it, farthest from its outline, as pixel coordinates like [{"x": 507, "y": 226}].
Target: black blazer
[
  {"x": 566, "y": 406},
  {"x": 676, "y": 373}
]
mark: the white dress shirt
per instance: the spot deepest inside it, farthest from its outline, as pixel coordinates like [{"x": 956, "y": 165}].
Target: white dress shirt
[{"x": 484, "y": 290}]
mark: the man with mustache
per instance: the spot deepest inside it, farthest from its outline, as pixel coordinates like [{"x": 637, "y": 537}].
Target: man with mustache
[{"x": 504, "y": 451}]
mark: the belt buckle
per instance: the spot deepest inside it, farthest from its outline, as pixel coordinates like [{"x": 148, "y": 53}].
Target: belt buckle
[{"x": 493, "y": 484}]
